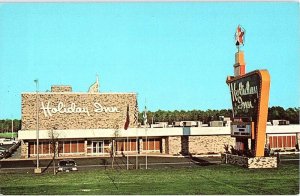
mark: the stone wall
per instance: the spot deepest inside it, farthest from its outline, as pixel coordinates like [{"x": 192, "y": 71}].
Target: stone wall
[
  {"x": 78, "y": 110},
  {"x": 198, "y": 144},
  {"x": 255, "y": 162},
  {"x": 173, "y": 145},
  {"x": 163, "y": 145},
  {"x": 61, "y": 88},
  {"x": 234, "y": 160},
  {"x": 24, "y": 149},
  {"x": 262, "y": 162},
  {"x": 209, "y": 144}
]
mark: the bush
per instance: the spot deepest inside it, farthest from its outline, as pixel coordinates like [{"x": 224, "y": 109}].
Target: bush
[
  {"x": 226, "y": 148},
  {"x": 245, "y": 153}
]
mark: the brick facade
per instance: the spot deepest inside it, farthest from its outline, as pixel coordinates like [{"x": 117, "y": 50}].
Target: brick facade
[
  {"x": 173, "y": 144},
  {"x": 24, "y": 149},
  {"x": 115, "y": 115},
  {"x": 198, "y": 144},
  {"x": 56, "y": 88},
  {"x": 209, "y": 144}
]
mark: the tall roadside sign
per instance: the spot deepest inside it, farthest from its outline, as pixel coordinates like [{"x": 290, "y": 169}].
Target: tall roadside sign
[{"x": 250, "y": 98}]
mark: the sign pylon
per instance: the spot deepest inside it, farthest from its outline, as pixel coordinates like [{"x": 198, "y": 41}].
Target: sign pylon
[{"x": 250, "y": 98}]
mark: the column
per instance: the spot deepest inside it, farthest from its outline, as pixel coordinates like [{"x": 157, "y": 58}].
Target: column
[{"x": 163, "y": 145}]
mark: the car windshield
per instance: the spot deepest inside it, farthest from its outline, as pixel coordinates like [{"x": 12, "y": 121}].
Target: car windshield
[
  {"x": 71, "y": 163},
  {"x": 66, "y": 163}
]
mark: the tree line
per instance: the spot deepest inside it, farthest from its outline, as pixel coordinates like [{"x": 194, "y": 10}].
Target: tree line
[
  {"x": 278, "y": 113},
  {"x": 5, "y": 125},
  {"x": 274, "y": 113}
]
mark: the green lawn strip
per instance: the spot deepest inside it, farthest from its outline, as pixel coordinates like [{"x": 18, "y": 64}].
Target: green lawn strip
[
  {"x": 63, "y": 183},
  {"x": 221, "y": 179},
  {"x": 158, "y": 182},
  {"x": 229, "y": 188},
  {"x": 266, "y": 181},
  {"x": 266, "y": 186},
  {"x": 273, "y": 186},
  {"x": 8, "y": 135}
]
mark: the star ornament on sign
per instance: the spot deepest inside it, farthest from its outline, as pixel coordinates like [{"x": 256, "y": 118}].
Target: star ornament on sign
[{"x": 240, "y": 36}]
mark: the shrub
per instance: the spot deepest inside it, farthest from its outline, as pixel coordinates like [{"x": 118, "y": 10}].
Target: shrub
[{"x": 226, "y": 148}]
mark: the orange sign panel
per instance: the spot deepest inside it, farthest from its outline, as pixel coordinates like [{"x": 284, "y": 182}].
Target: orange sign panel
[{"x": 250, "y": 98}]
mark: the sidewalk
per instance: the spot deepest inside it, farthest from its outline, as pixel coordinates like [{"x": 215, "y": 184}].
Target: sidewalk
[{"x": 17, "y": 156}]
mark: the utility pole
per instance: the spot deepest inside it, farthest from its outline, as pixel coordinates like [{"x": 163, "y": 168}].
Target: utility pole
[
  {"x": 38, "y": 169},
  {"x": 127, "y": 160},
  {"x": 12, "y": 128},
  {"x": 137, "y": 150},
  {"x": 145, "y": 124}
]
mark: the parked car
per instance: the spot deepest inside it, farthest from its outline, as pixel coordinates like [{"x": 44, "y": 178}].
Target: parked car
[
  {"x": 2, "y": 149},
  {"x": 3, "y": 152},
  {"x": 67, "y": 165},
  {"x": 6, "y": 141}
]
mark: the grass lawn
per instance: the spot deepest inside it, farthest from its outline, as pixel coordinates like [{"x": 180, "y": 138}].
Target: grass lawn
[
  {"x": 213, "y": 179},
  {"x": 8, "y": 135}
]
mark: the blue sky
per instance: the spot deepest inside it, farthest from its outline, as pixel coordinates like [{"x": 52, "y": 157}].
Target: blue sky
[{"x": 174, "y": 55}]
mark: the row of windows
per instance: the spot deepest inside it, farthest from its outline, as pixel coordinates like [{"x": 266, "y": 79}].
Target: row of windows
[
  {"x": 282, "y": 141},
  {"x": 47, "y": 148},
  {"x": 94, "y": 147},
  {"x": 71, "y": 147},
  {"x": 152, "y": 144},
  {"x": 123, "y": 145}
]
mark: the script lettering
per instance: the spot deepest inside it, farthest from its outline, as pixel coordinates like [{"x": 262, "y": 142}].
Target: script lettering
[
  {"x": 61, "y": 108},
  {"x": 100, "y": 108},
  {"x": 239, "y": 92}
]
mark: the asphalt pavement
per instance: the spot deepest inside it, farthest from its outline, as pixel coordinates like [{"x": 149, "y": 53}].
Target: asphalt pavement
[{"x": 86, "y": 163}]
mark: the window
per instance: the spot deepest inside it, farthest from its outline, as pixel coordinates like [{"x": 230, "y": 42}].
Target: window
[
  {"x": 123, "y": 145},
  {"x": 152, "y": 144}
]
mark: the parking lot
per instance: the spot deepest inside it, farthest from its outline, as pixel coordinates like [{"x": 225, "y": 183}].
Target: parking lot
[
  {"x": 9, "y": 150},
  {"x": 5, "y": 148},
  {"x": 27, "y": 166}
]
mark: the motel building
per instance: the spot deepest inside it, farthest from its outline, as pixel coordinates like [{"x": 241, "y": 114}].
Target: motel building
[{"x": 86, "y": 124}]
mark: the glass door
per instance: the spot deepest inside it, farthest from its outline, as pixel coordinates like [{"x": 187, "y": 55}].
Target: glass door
[
  {"x": 100, "y": 147},
  {"x": 97, "y": 147}
]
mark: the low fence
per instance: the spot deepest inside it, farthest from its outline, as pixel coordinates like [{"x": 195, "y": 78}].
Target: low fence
[{"x": 287, "y": 156}]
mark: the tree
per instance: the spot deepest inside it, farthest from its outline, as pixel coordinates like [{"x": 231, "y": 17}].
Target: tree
[
  {"x": 5, "y": 125},
  {"x": 116, "y": 135},
  {"x": 292, "y": 115},
  {"x": 53, "y": 135},
  {"x": 276, "y": 113}
]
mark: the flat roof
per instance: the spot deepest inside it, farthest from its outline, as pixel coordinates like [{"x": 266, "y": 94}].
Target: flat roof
[
  {"x": 150, "y": 132},
  {"x": 105, "y": 93}
]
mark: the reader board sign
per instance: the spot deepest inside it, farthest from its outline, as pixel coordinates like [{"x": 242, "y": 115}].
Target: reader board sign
[{"x": 242, "y": 129}]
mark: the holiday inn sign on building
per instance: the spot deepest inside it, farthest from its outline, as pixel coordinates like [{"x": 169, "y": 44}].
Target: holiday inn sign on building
[
  {"x": 71, "y": 110},
  {"x": 61, "y": 108}
]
